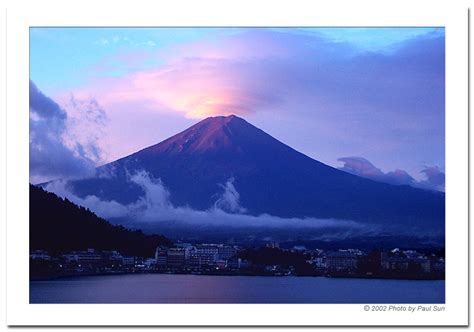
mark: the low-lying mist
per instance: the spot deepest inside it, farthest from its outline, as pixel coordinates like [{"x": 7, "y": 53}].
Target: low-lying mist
[{"x": 154, "y": 212}]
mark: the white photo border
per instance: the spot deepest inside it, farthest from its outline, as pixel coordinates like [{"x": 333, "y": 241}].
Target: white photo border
[{"x": 239, "y": 13}]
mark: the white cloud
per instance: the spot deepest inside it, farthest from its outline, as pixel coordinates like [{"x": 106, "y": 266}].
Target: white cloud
[
  {"x": 53, "y": 152},
  {"x": 155, "y": 208},
  {"x": 105, "y": 209}
]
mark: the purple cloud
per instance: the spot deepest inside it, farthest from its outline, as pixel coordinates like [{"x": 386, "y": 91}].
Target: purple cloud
[
  {"x": 362, "y": 167},
  {"x": 435, "y": 177},
  {"x": 400, "y": 177},
  {"x": 51, "y": 154}
]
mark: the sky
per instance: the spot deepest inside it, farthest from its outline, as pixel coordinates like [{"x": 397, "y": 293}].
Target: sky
[{"x": 369, "y": 101}]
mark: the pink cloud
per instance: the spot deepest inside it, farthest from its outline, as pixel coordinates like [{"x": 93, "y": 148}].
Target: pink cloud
[
  {"x": 364, "y": 168},
  {"x": 195, "y": 87},
  {"x": 219, "y": 76},
  {"x": 286, "y": 83}
]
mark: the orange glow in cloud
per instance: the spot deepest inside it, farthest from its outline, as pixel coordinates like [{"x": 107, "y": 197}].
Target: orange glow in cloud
[
  {"x": 190, "y": 88},
  {"x": 196, "y": 88},
  {"x": 199, "y": 80}
]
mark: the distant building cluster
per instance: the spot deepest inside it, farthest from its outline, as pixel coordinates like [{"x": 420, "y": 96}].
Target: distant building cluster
[
  {"x": 181, "y": 258},
  {"x": 377, "y": 262},
  {"x": 92, "y": 261},
  {"x": 228, "y": 259},
  {"x": 198, "y": 257}
]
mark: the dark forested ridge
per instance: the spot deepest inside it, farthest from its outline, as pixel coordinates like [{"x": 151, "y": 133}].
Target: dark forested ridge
[{"x": 58, "y": 225}]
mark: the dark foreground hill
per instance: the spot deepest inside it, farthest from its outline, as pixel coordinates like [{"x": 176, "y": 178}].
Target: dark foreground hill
[{"x": 57, "y": 225}]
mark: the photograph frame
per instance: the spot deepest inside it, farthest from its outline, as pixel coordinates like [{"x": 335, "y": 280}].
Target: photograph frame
[{"x": 24, "y": 314}]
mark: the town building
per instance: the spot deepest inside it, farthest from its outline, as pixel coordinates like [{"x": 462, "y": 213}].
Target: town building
[
  {"x": 394, "y": 263},
  {"x": 341, "y": 261},
  {"x": 111, "y": 257},
  {"x": 204, "y": 254},
  {"x": 237, "y": 263},
  {"x": 161, "y": 257},
  {"x": 149, "y": 263},
  {"x": 183, "y": 245},
  {"x": 40, "y": 255},
  {"x": 273, "y": 245},
  {"x": 422, "y": 264},
  {"x": 226, "y": 252},
  {"x": 438, "y": 265},
  {"x": 84, "y": 257},
  {"x": 176, "y": 257},
  {"x": 128, "y": 261},
  {"x": 221, "y": 264},
  {"x": 319, "y": 262}
]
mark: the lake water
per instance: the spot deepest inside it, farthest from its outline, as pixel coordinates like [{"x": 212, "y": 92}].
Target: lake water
[{"x": 165, "y": 288}]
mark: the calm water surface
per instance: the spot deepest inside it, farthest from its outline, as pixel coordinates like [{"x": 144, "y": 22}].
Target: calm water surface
[{"x": 164, "y": 288}]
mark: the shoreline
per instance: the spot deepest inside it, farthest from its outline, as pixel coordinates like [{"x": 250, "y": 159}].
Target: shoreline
[{"x": 333, "y": 276}]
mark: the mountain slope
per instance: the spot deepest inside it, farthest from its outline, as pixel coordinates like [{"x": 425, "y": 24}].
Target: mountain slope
[
  {"x": 57, "y": 225},
  {"x": 270, "y": 177}
]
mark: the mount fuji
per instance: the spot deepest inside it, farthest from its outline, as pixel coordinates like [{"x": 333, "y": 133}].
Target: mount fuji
[{"x": 268, "y": 176}]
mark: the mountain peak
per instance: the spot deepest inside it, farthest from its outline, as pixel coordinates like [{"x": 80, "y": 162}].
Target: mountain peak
[
  {"x": 211, "y": 134},
  {"x": 223, "y": 119},
  {"x": 230, "y": 116}
]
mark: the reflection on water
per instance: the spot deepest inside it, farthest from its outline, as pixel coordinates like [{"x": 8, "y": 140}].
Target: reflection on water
[{"x": 163, "y": 288}]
